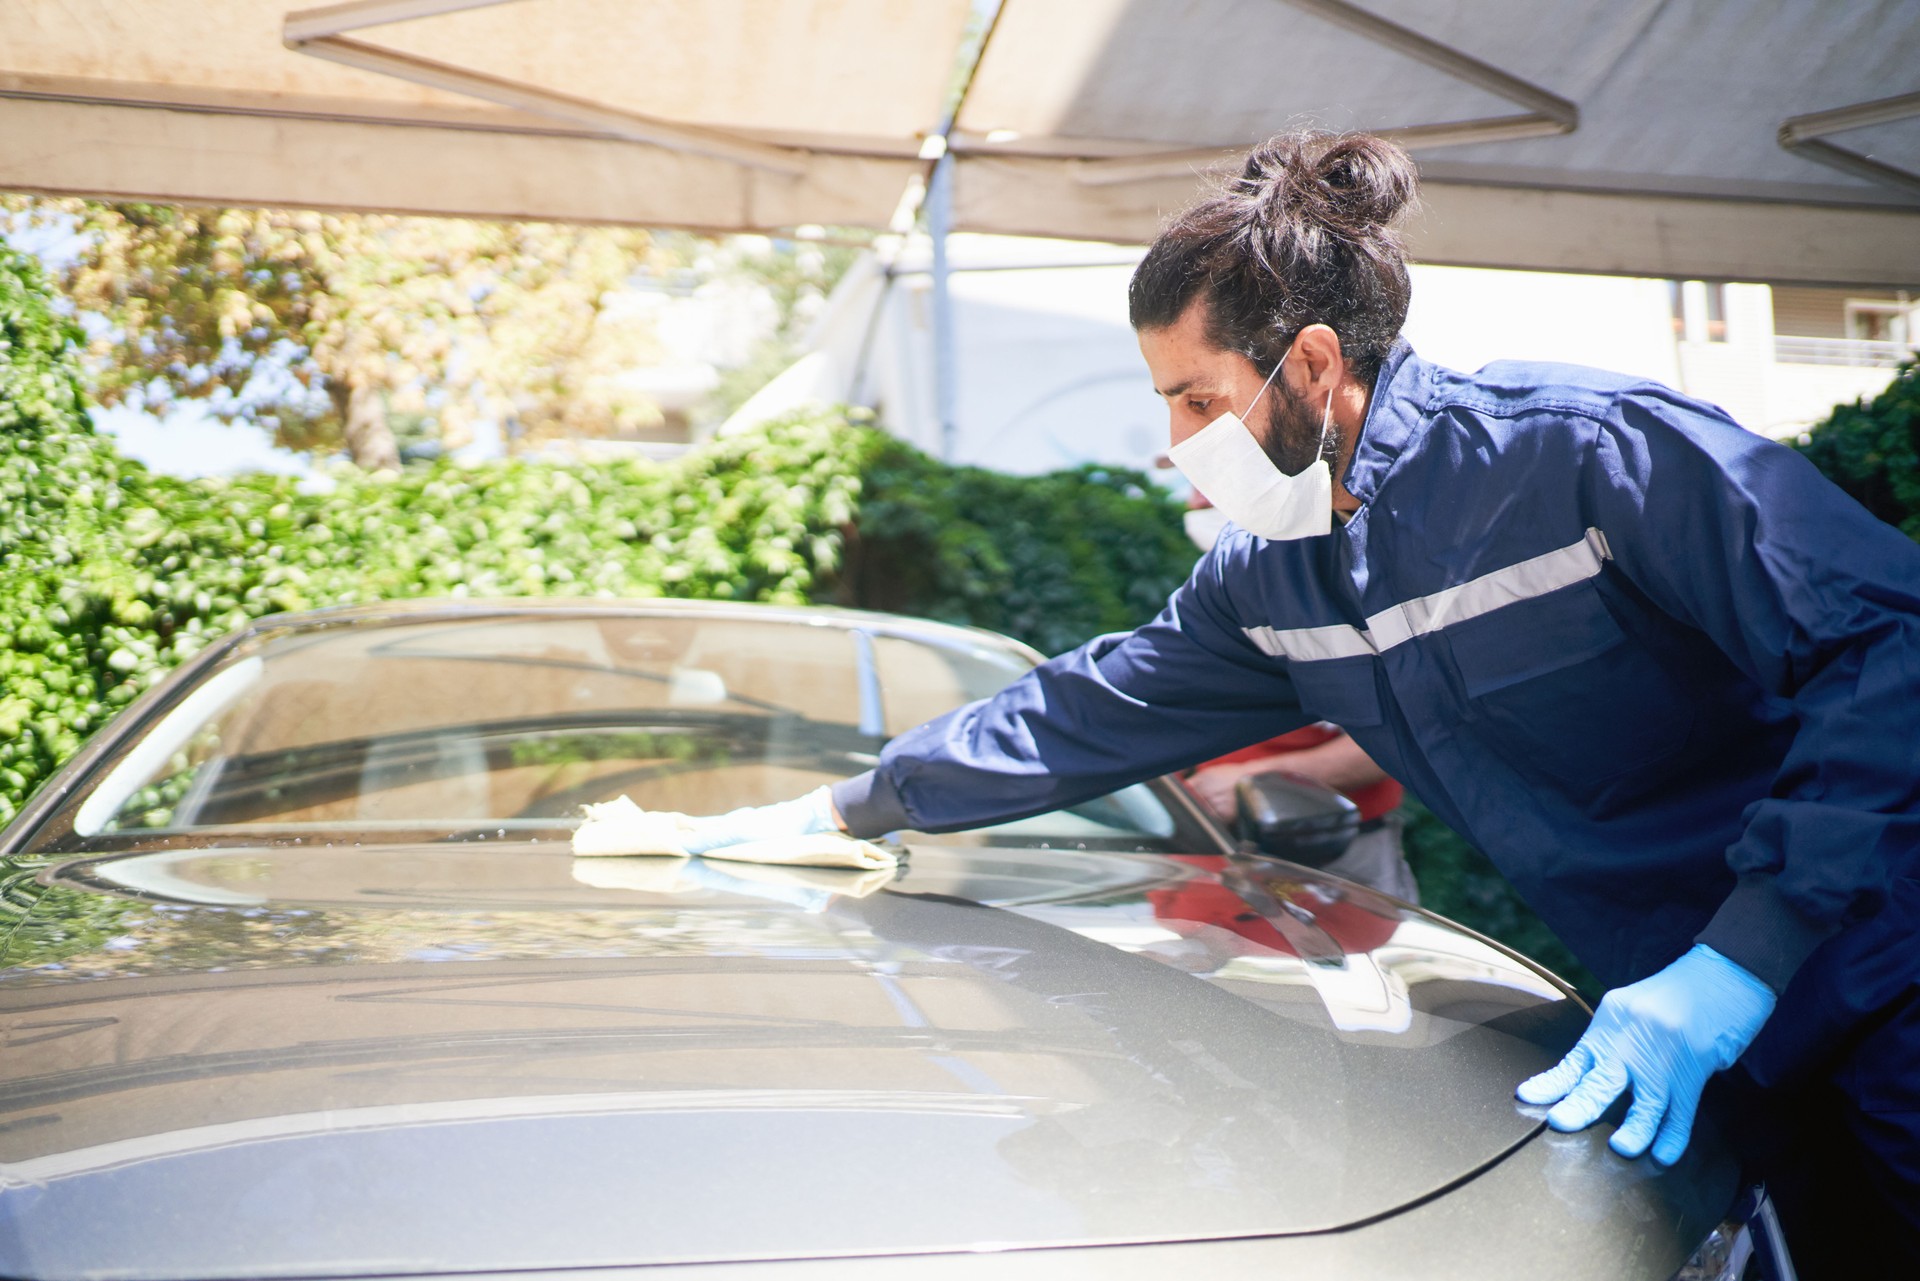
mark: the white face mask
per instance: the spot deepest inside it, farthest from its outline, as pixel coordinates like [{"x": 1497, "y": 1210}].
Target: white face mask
[{"x": 1226, "y": 463}]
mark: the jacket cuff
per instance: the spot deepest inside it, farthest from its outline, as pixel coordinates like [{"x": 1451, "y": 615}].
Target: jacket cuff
[
  {"x": 1760, "y": 931},
  {"x": 870, "y": 805}
]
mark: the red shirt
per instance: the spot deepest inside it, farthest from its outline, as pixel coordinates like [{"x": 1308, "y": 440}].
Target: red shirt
[{"x": 1374, "y": 800}]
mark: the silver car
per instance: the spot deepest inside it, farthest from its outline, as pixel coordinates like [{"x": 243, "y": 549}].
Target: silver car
[{"x": 301, "y": 979}]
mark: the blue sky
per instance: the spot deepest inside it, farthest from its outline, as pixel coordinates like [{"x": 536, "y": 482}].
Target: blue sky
[
  {"x": 189, "y": 442},
  {"x": 186, "y": 442}
]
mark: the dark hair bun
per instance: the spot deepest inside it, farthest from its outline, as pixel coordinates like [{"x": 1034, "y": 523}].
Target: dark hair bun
[
  {"x": 1350, "y": 184},
  {"x": 1372, "y": 180}
]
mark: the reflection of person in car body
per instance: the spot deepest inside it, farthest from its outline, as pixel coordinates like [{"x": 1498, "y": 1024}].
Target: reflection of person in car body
[
  {"x": 1204, "y": 902},
  {"x": 1661, "y": 671}
]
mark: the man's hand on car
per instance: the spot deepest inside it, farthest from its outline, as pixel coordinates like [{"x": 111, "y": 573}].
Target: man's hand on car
[
  {"x": 803, "y": 816},
  {"x": 1662, "y": 1038}
]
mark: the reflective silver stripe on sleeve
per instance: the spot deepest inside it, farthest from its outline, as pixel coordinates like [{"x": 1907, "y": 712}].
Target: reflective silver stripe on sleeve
[
  {"x": 1305, "y": 644},
  {"x": 1563, "y": 567}
]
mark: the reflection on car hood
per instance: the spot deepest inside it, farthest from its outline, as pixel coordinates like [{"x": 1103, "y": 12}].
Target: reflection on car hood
[{"x": 290, "y": 1060}]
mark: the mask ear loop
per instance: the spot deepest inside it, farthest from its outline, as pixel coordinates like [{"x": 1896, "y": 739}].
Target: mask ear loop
[
  {"x": 1263, "y": 386},
  {"x": 1326, "y": 421}
]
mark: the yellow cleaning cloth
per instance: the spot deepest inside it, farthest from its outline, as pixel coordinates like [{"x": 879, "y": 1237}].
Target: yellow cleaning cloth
[{"x": 620, "y": 827}]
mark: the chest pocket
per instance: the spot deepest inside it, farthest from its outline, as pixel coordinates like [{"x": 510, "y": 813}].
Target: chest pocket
[
  {"x": 1340, "y": 690},
  {"x": 1558, "y": 689}
]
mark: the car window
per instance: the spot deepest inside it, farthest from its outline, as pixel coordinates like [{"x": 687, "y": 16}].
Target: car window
[
  {"x": 478, "y": 724},
  {"x": 921, "y": 681}
]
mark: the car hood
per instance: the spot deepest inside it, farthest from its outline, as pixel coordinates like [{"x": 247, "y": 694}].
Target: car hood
[{"x": 290, "y": 1059}]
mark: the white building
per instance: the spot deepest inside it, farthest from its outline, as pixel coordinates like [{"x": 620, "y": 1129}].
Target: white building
[{"x": 1049, "y": 374}]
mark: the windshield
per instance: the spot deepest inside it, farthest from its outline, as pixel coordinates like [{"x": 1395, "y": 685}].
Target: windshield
[{"x": 468, "y": 727}]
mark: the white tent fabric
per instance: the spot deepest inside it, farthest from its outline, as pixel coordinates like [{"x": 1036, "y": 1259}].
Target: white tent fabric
[
  {"x": 1643, "y": 136},
  {"x": 721, "y": 114},
  {"x": 1679, "y": 138}
]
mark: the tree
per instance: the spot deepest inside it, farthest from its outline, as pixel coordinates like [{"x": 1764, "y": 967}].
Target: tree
[{"x": 332, "y": 329}]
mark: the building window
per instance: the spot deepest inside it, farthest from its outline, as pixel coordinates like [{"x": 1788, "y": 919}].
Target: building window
[
  {"x": 1873, "y": 320},
  {"x": 1699, "y": 310},
  {"x": 1716, "y": 312}
]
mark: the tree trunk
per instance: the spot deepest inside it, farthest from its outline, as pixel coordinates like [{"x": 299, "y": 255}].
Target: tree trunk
[{"x": 363, "y": 422}]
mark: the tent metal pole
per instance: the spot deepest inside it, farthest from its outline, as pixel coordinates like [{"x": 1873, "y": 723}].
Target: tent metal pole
[
  {"x": 317, "y": 33},
  {"x": 939, "y": 211},
  {"x": 1807, "y": 136}
]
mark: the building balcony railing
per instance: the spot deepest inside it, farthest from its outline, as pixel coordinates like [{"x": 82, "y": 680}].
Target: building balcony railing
[{"x": 1860, "y": 352}]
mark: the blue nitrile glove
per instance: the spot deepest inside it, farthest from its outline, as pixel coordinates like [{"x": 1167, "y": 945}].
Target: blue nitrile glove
[
  {"x": 1663, "y": 1036},
  {"x": 802, "y": 817}
]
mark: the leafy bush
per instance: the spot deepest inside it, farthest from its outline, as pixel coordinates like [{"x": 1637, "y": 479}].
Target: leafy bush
[
  {"x": 1872, "y": 450},
  {"x": 1053, "y": 560},
  {"x": 60, "y": 488}
]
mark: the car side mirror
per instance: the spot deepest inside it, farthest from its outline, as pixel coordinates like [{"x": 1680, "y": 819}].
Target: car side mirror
[{"x": 1286, "y": 816}]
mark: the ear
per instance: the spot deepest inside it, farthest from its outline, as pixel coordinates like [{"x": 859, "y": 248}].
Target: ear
[{"x": 1320, "y": 360}]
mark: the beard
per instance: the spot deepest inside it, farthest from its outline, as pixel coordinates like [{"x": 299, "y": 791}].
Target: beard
[{"x": 1292, "y": 437}]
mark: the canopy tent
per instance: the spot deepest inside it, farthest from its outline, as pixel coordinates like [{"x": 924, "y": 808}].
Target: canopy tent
[
  {"x": 727, "y": 115},
  {"x": 1679, "y": 138},
  {"x": 1674, "y": 138}
]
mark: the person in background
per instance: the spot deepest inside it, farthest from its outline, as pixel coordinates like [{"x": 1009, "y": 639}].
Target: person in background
[
  {"x": 1326, "y": 754},
  {"x": 1322, "y": 752}
]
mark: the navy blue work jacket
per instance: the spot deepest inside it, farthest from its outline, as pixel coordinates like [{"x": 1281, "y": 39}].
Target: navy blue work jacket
[{"x": 1660, "y": 670}]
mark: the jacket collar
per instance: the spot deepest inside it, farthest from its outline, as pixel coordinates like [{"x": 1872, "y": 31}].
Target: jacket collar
[{"x": 1396, "y": 416}]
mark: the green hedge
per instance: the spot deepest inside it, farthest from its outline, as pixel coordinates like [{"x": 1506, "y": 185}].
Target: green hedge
[
  {"x": 1053, "y": 560},
  {"x": 761, "y": 517},
  {"x": 60, "y": 492}
]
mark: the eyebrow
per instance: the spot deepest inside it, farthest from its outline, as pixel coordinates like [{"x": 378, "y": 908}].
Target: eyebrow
[{"x": 1176, "y": 389}]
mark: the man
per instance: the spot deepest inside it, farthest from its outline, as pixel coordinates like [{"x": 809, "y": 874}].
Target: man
[{"x": 1661, "y": 671}]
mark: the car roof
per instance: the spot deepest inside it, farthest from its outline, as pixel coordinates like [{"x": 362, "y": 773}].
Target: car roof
[{"x": 927, "y": 631}]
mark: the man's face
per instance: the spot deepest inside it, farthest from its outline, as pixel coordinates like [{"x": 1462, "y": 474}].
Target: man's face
[{"x": 1200, "y": 382}]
